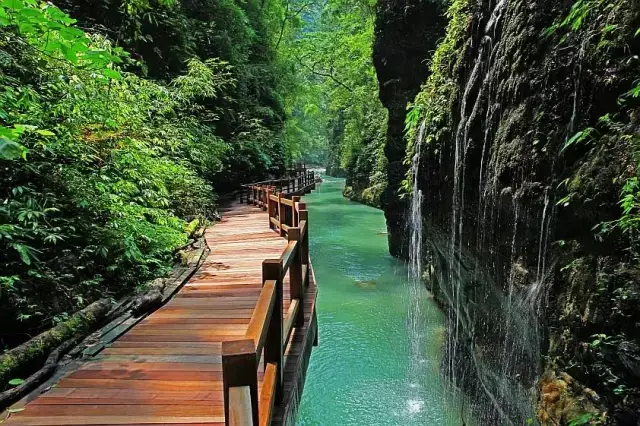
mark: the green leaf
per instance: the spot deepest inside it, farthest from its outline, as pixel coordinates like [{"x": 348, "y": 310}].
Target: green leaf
[
  {"x": 45, "y": 133},
  {"x": 10, "y": 150},
  {"x": 24, "y": 252},
  {"x": 635, "y": 92},
  {"x": 16, "y": 382},
  {"x": 580, "y": 420},
  {"x": 109, "y": 73},
  {"x": 579, "y": 137}
]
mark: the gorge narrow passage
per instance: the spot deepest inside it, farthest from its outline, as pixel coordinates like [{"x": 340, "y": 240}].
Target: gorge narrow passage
[{"x": 360, "y": 374}]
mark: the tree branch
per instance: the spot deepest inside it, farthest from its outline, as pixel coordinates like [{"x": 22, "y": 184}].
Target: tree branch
[
  {"x": 331, "y": 76},
  {"x": 286, "y": 17}
]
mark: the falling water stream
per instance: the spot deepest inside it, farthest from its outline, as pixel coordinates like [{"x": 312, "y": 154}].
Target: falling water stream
[{"x": 381, "y": 336}]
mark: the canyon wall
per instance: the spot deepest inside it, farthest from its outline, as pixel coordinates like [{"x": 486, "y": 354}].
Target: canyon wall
[
  {"x": 528, "y": 132},
  {"x": 407, "y": 32}
]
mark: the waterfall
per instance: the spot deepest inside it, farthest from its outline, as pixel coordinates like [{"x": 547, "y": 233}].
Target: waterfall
[
  {"x": 493, "y": 334},
  {"x": 415, "y": 214},
  {"x": 492, "y": 347},
  {"x": 415, "y": 262},
  {"x": 418, "y": 292},
  {"x": 576, "y": 90}
]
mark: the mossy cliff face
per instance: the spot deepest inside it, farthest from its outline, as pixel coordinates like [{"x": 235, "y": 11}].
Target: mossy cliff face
[
  {"x": 406, "y": 32},
  {"x": 521, "y": 206}
]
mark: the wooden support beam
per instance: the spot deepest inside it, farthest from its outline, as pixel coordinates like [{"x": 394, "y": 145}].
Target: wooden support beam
[
  {"x": 239, "y": 369},
  {"x": 267, "y": 396},
  {"x": 292, "y": 314},
  {"x": 295, "y": 275},
  {"x": 289, "y": 255},
  {"x": 261, "y": 317},
  {"x": 304, "y": 242},
  {"x": 275, "y": 223},
  {"x": 273, "y": 351},
  {"x": 240, "y": 406},
  {"x": 270, "y": 209},
  {"x": 315, "y": 338},
  {"x": 264, "y": 196},
  {"x": 294, "y": 211},
  {"x": 280, "y": 214}
]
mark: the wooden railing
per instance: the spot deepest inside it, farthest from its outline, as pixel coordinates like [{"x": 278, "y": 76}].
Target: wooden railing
[
  {"x": 269, "y": 331},
  {"x": 256, "y": 193}
]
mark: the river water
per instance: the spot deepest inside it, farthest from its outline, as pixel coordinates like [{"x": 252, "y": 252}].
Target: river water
[{"x": 361, "y": 373}]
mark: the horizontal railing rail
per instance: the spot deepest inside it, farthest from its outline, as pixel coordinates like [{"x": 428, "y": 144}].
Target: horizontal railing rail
[
  {"x": 296, "y": 184},
  {"x": 269, "y": 330}
]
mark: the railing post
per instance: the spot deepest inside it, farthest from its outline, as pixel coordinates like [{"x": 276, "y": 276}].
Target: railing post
[
  {"x": 270, "y": 209},
  {"x": 265, "y": 195},
  {"x": 303, "y": 214},
  {"x": 295, "y": 218},
  {"x": 280, "y": 214},
  {"x": 295, "y": 276},
  {"x": 273, "y": 351},
  {"x": 239, "y": 368}
]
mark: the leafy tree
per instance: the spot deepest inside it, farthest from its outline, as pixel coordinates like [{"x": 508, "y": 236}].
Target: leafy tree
[
  {"x": 102, "y": 166},
  {"x": 338, "y": 98}
]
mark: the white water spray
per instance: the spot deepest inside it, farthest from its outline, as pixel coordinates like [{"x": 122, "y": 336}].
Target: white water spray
[{"x": 417, "y": 290}]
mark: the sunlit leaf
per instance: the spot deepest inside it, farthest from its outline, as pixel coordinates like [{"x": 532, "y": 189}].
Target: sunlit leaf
[
  {"x": 45, "y": 133},
  {"x": 109, "y": 73}
]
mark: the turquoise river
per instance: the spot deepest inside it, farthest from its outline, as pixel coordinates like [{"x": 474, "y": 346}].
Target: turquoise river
[{"x": 363, "y": 371}]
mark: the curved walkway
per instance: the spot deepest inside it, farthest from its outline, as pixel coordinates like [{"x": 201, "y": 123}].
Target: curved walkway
[{"x": 168, "y": 368}]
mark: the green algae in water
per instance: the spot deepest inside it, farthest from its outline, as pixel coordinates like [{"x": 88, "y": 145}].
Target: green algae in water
[
  {"x": 359, "y": 375},
  {"x": 366, "y": 285}
]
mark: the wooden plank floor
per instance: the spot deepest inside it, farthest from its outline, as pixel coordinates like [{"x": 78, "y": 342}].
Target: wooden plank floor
[{"x": 167, "y": 369}]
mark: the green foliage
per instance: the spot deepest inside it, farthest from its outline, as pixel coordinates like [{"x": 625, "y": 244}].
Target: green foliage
[
  {"x": 433, "y": 103},
  {"x": 599, "y": 339},
  {"x": 583, "y": 12},
  {"x": 204, "y": 79},
  {"x": 49, "y": 31},
  {"x": 102, "y": 167},
  {"x": 579, "y": 138},
  {"x": 52, "y": 33},
  {"x": 583, "y": 419},
  {"x": 335, "y": 112},
  {"x": 613, "y": 27}
]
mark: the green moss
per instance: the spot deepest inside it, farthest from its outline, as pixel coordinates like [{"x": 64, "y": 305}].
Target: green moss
[
  {"x": 433, "y": 104},
  {"x": 192, "y": 226},
  {"x": 606, "y": 32},
  {"x": 15, "y": 362},
  {"x": 370, "y": 195}
]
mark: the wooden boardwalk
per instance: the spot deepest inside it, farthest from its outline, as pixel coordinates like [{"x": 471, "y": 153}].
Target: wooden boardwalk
[{"x": 168, "y": 368}]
